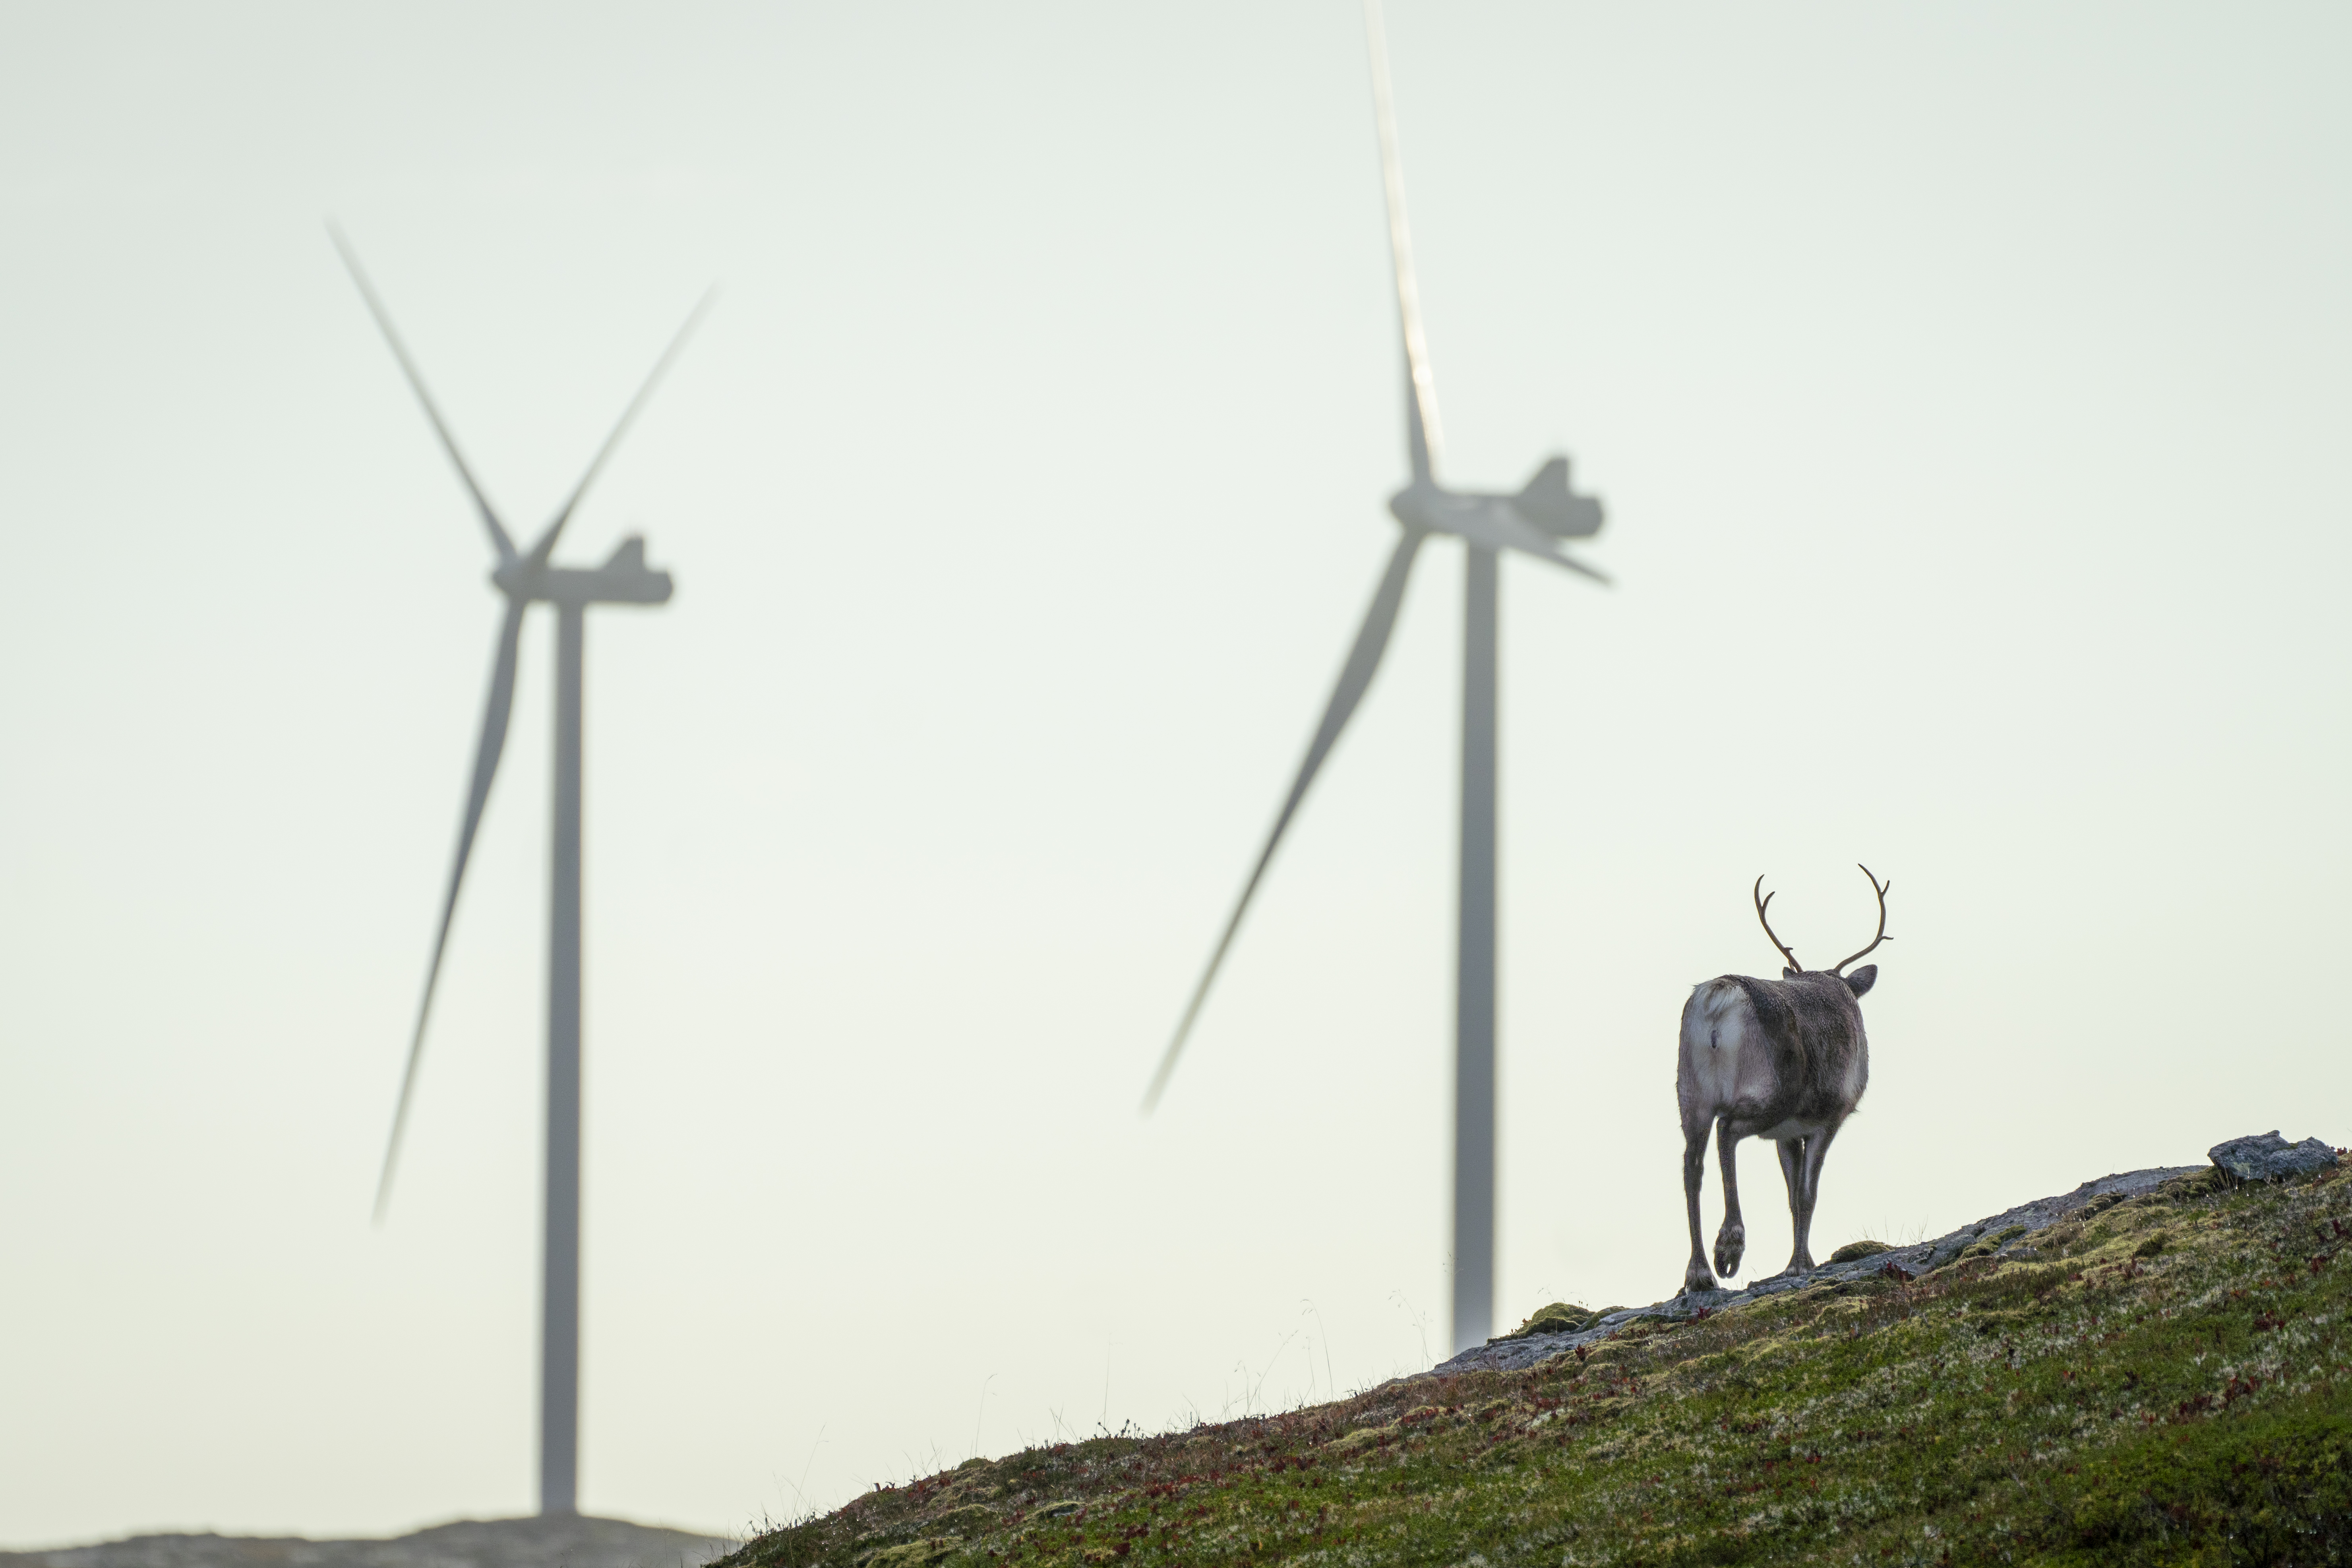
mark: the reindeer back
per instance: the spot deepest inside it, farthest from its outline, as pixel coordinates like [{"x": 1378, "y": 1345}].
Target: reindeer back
[{"x": 1819, "y": 1052}]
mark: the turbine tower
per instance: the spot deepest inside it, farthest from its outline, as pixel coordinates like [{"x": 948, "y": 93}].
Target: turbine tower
[
  {"x": 1533, "y": 521},
  {"x": 525, "y": 579}
]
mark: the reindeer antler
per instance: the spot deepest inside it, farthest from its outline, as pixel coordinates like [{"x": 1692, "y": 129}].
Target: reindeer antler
[
  {"x": 1880, "y": 888},
  {"x": 1763, "y": 902}
]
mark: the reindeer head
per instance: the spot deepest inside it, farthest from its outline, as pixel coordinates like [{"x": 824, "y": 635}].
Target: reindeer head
[{"x": 1862, "y": 979}]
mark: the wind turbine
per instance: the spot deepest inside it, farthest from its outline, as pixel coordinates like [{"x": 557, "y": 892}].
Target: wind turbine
[
  {"x": 1533, "y": 521},
  {"x": 525, "y": 579}
]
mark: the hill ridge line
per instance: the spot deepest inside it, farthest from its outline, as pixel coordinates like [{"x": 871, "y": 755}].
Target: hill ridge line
[{"x": 1511, "y": 1353}]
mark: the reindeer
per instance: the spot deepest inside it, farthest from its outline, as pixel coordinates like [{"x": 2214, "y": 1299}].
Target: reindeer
[{"x": 1785, "y": 1059}]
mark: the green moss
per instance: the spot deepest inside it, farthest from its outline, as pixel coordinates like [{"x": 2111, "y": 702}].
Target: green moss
[
  {"x": 970, "y": 1518},
  {"x": 914, "y": 1554},
  {"x": 1559, "y": 1318},
  {"x": 2187, "y": 1404},
  {"x": 1853, "y": 1250}
]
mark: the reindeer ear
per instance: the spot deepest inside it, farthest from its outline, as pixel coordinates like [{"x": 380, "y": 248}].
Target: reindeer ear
[
  {"x": 1787, "y": 973},
  {"x": 1863, "y": 979}
]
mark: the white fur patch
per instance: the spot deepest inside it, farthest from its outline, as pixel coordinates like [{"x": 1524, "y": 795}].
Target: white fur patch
[
  {"x": 1714, "y": 1028},
  {"x": 1716, "y": 998}
]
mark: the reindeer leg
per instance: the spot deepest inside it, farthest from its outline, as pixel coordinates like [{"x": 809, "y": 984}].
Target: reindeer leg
[
  {"x": 1732, "y": 1241},
  {"x": 1817, "y": 1148},
  {"x": 1697, "y": 1277},
  {"x": 1792, "y": 1151}
]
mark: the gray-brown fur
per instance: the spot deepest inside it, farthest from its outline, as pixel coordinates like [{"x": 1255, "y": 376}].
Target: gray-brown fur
[{"x": 1786, "y": 1060}]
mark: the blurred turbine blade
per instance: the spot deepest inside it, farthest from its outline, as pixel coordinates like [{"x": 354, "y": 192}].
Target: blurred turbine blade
[
  {"x": 1527, "y": 540},
  {"x": 546, "y": 544},
  {"x": 1573, "y": 564},
  {"x": 494, "y": 713},
  {"x": 1363, "y": 659},
  {"x": 499, "y": 538},
  {"x": 1421, "y": 433}
]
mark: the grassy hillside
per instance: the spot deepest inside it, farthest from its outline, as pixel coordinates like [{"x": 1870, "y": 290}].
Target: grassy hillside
[{"x": 2164, "y": 1382}]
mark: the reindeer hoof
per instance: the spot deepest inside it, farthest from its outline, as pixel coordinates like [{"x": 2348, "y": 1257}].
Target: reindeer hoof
[
  {"x": 1728, "y": 1249},
  {"x": 1697, "y": 1278}
]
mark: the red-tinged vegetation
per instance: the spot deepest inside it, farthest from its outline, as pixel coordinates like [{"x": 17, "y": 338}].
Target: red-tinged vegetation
[{"x": 2169, "y": 1383}]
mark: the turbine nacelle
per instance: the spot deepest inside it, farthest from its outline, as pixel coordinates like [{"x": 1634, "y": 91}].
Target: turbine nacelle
[
  {"x": 623, "y": 579},
  {"x": 1531, "y": 521}
]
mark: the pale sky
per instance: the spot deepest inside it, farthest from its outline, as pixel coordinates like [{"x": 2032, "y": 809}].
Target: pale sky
[{"x": 1967, "y": 390}]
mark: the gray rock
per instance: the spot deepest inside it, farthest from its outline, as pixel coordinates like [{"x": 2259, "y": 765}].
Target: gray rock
[
  {"x": 1914, "y": 1258},
  {"x": 570, "y": 1540},
  {"x": 1948, "y": 1249},
  {"x": 2267, "y": 1157}
]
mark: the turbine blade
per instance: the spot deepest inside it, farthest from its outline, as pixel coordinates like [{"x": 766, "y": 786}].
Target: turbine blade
[
  {"x": 1523, "y": 536},
  {"x": 545, "y": 547},
  {"x": 499, "y": 537},
  {"x": 494, "y": 713},
  {"x": 1573, "y": 564},
  {"x": 1355, "y": 675},
  {"x": 1422, "y": 436}
]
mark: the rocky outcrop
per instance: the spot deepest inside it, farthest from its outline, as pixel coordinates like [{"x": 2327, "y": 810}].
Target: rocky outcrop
[
  {"x": 2267, "y": 1157},
  {"x": 569, "y": 1540}
]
